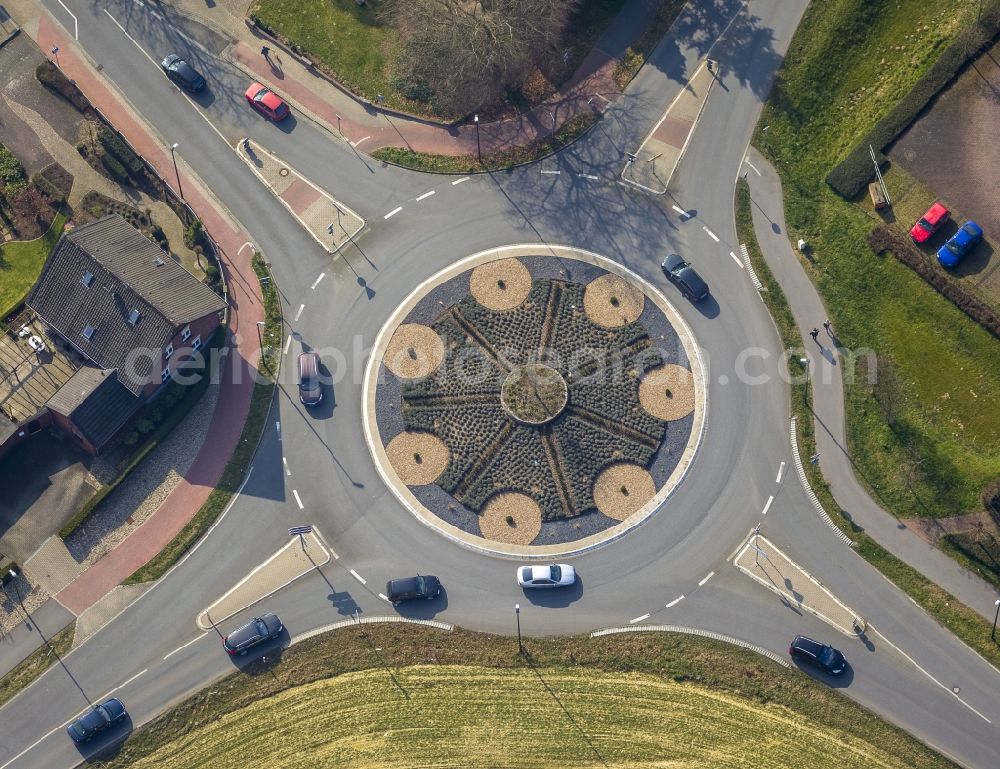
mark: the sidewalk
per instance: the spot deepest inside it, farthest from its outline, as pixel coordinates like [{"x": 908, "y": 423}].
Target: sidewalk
[
  {"x": 369, "y": 128},
  {"x": 827, "y": 402}
]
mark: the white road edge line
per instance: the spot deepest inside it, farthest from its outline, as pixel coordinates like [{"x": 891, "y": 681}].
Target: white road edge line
[
  {"x": 638, "y": 619},
  {"x": 316, "y": 282},
  {"x": 706, "y": 578},
  {"x": 298, "y": 501},
  {"x": 546, "y": 171},
  {"x": 182, "y": 648},
  {"x": 737, "y": 260},
  {"x": 393, "y": 212},
  {"x": 358, "y": 577},
  {"x": 674, "y": 602},
  {"x": 767, "y": 505},
  {"x": 710, "y": 234},
  {"x": 425, "y": 195},
  {"x": 747, "y": 161},
  {"x": 459, "y": 181},
  {"x": 679, "y": 210},
  {"x": 76, "y": 36},
  {"x": 299, "y": 313},
  {"x": 781, "y": 471}
]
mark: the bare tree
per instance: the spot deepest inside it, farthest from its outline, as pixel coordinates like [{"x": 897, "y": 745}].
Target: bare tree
[{"x": 463, "y": 54}]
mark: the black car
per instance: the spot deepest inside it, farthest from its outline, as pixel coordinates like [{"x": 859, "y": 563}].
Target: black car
[
  {"x": 256, "y": 631},
  {"x": 97, "y": 719},
  {"x": 182, "y": 73},
  {"x": 407, "y": 589},
  {"x": 686, "y": 278},
  {"x": 815, "y": 653}
]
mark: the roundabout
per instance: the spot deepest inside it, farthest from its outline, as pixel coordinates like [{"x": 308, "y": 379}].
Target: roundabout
[{"x": 533, "y": 401}]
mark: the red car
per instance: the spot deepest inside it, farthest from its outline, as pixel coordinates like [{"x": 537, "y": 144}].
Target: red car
[
  {"x": 267, "y": 102},
  {"x": 929, "y": 223}
]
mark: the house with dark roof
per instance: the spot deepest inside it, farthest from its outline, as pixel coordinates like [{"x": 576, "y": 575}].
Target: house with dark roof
[{"x": 131, "y": 311}]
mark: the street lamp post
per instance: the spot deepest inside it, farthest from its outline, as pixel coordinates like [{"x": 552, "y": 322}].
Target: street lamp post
[
  {"x": 805, "y": 362},
  {"x": 993, "y": 635},
  {"x": 13, "y": 576},
  {"x": 260, "y": 337},
  {"x": 517, "y": 614},
  {"x": 173, "y": 156},
  {"x": 55, "y": 52},
  {"x": 479, "y": 148}
]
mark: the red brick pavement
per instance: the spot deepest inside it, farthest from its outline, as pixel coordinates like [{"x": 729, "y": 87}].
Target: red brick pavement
[{"x": 237, "y": 374}]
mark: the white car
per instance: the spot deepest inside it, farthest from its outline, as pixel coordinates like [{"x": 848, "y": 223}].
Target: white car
[{"x": 553, "y": 575}]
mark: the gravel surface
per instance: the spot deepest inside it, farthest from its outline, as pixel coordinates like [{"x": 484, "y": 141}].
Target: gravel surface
[{"x": 11, "y": 613}]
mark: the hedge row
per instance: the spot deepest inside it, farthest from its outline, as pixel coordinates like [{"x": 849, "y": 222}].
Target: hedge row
[
  {"x": 883, "y": 239},
  {"x": 49, "y": 75},
  {"x": 851, "y": 175},
  {"x": 115, "y": 168},
  {"x": 114, "y": 144}
]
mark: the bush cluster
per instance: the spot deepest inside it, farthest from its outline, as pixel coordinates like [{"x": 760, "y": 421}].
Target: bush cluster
[
  {"x": 116, "y": 146},
  {"x": 115, "y": 168},
  {"x": 883, "y": 239},
  {"x": 12, "y": 176},
  {"x": 851, "y": 175},
  {"x": 49, "y": 75}
]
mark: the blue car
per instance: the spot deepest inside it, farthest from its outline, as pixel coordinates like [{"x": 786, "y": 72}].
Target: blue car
[{"x": 959, "y": 244}]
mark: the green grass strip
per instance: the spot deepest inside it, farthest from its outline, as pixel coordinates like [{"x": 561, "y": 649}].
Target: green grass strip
[
  {"x": 36, "y": 663},
  {"x": 21, "y": 263}
]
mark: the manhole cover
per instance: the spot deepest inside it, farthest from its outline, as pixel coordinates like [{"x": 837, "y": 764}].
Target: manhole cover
[
  {"x": 283, "y": 172},
  {"x": 956, "y": 689}
]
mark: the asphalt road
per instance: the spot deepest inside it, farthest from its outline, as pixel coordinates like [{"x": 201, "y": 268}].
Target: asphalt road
[{"x": 153, "y": 653}]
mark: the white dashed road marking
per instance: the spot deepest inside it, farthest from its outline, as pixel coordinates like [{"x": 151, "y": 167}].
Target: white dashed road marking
[
  {"x": 679, "y": 210},
  {"x": 316, "y": 282},
  {"x": 288, "y": 343},
  {"x": 181, "y": 648},
  {"x": 284, "y": 461},
  {"x": 425, "y": 195},
  {"x": 781, "y": 471},
  {"x": 299, "y": 313},
  {"x": 545, "y": 171},
  {"x": 459, "y": 181},
  {"x": 393, "y": 212},
  {"x": 589, "y": 176},
  {"x": 674, "y": 602},
  {"x": 298, "y": 501},
  {"x": 384, "y": 597},
  {"x": 767, "y": 507},
  {"x": 638, "y": 619},
  {"x": 737, "y": 260},
  {"x": 706, "y": 578},
  {"x": 710, "y": 234},
  {"x": 358, "y": 577}
]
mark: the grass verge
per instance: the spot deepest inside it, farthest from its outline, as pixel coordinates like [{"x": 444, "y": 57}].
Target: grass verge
[
  {"x": 36, "y": 663},
  {"x": 567, "y": 133},
  {"x": 965, "y": 623},
  {"x": 384, "y": 695},
  {"x": 21, "y": 263}
]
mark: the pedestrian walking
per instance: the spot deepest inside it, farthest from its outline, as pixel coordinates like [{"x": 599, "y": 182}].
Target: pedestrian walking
[
  {"x": 828, "y": 326},
  {"x": 265, "y": 52},
  {"x": 814, "y": 334}
]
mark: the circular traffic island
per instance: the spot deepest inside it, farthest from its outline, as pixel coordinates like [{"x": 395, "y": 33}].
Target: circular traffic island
[{"x": 534, "y": 401}]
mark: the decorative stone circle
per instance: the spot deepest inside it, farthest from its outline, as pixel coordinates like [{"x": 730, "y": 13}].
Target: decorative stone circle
[
  {"x": 511, "y": 518},
  {"x": 414, "y": 351},
  {"x": 417, "y": 458},
  {"x": 500, "y": 285},
  {"x": 521, "y": 383},
  {"x": 611, "y": 302},
  {"x": 668, "y": 392},
  {"x": 534, "y": 394},
  {"x": 623, "y": 489}
]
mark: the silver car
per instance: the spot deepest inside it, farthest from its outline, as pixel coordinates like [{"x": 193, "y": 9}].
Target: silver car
[{"x": 552, "y": 575}]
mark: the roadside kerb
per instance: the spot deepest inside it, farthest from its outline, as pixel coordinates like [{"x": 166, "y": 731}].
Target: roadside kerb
[
  {"x": 659, "y": 155},
  {"x": 810, "y": 493},
  {"x": 291, "y": 562},
  {"x": 304, "y": 200},
  {"x": 694, "y": 631},
  {"x": 380, "y": 620},
  {"x": 767, "y": 565}
]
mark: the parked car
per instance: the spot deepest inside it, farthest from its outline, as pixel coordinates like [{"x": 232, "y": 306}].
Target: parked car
[
  {"x": 553, "y": 575},
  {"x": 310, "y": 392},
  {"x": 97, "y": 719},
  {"x": 256, "y": 631},
  {"x": 816, "y": 653},
  {"x": 267, "y": 102},
  {"x": 685, "y": 277},
  {"x": 182, "y": 73},
  {"x": 929, "y": 223},
  {"x": 410, "y": 588},
  {"x": 959, "y": 244}
]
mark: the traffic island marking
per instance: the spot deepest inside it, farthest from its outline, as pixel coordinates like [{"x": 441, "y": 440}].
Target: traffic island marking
[
  {"x": 299, "y": 557},
  {"x": 765, "y": 564}
]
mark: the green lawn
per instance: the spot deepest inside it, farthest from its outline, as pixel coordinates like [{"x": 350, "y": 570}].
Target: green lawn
[
  {"x": 403, "y": 696},
  {"x": 849, "y": 62},
  {"x": 21, "y": 264}
]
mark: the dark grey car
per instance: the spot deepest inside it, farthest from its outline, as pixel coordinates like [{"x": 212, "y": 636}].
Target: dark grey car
[
  {"x": 686, "y": 277},
  {"x": 182, "y": 73},
  {"x": 409, "y": 588},
  {"x": 256, "y": 631},
  {"x": 819, "y": 654},
  {"x": 97, "y": 719}
]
